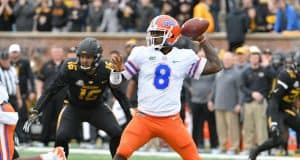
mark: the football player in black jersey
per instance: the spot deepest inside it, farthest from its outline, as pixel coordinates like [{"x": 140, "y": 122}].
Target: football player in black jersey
[
  {"x": 282, "y": 112},
  {"x": 85, "y": 78}
]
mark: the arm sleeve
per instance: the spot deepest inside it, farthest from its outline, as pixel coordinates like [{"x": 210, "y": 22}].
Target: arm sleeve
[
  {"x": 10, "y": 118},
  {"x": 58, "y": 84},
  {"x": 132, "y": 64}
]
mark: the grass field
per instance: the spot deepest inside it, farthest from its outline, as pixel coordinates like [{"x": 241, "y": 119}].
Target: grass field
[{"x": 94, "y": 154}]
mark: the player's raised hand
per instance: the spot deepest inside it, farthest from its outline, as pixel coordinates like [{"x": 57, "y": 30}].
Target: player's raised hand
[
  {"x": 117, "y": 61},
  {"x": 33, "y": 118}
]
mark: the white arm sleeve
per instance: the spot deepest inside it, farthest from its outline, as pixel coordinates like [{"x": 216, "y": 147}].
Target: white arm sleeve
[
  {"x": 115, "y": 78},
  {"x": 10, "y": 118}
]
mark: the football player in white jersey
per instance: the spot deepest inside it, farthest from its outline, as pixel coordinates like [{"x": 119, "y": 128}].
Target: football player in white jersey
[
  {"x": 8, "y": 121},
  {"x": 161, "y": 70}
]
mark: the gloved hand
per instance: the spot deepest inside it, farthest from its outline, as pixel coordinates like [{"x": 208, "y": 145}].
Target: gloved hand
[
  {"x": 33, "y": 118},
  {"x": 275, "y": 131}
]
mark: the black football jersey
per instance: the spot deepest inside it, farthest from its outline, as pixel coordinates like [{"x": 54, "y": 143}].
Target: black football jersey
[{"x": 83, "y": 90}]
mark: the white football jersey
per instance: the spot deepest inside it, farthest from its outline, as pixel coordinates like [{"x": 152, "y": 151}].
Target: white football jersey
[{"x": 160, "y": 77}]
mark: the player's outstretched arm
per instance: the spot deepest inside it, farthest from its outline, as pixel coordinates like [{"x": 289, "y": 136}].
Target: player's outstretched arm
[{"x": 213, "y": 63}]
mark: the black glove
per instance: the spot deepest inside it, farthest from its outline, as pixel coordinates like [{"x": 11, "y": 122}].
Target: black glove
[
  {"x": 33, "y": 118},
  {"x": 275, "y": 131}
]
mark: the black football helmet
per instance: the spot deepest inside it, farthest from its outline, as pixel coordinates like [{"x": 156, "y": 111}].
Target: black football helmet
[
  {"x": 278, "y": 59},
  {"x": 90, "y": 47}
]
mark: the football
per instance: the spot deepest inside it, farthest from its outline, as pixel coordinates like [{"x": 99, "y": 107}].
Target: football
[{"x": 194, "y": 27}]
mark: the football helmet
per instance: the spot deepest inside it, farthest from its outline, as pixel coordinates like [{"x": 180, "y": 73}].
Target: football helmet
[
  {"x": 277, "y": 59},
  {"x": 296, "y": 59},
  {"x": 89, "y": 47},
  {"x": 170, "y": 28}
]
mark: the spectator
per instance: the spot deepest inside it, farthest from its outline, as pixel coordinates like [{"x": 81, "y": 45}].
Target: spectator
[
  {"x": 95, "y": 16},
  {"x": 167, "y": 8},
  {"x": 110, "y": 22},
  {"x": 241, "y": 57},
  {"x": 200, "y": 91},
  {"x": 286, "y": 17},
  {"x": 184, "y": 12},
  {"x": 266, "y": 57},
  {"x": 262, "y": 13},
  {"x": 214, "y": 9},
  {"x": 6, "y": 15},
  {"x": 236, "y": 29},
  {"x": 76, "y": 14},
  {"x": 202, "y": 10},
  {"x": 127, "y": 17},
  {"x": 227, "y": 104},
  {"x": 256, "y": 85},
  {"x": 145, "y": 12},
  {"x": 231, "y": 5},
  {"x": 24, "y": 11},
  {"x": 43, "y": 16},
  {"x": 59, "y": 16}
]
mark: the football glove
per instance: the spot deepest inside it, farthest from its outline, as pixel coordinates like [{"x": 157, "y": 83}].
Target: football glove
[
  {"x": 33, "y": 118},
  {"x": 275, "y": 132}
]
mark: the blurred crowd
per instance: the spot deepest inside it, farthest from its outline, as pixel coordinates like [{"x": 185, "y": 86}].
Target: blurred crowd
[
  {"x": 232, "y": 102},
  {"x": 133, "y": 15}
]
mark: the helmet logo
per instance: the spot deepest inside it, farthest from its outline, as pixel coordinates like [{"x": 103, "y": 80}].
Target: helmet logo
[
  {"x": 83, "y": 52},
  {"x": 168, "y": 23}
]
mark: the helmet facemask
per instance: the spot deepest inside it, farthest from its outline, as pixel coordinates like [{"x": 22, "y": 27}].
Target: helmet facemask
[{"x": 152, "y": 39}]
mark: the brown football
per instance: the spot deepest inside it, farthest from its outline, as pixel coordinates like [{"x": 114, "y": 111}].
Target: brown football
[{"x": 194, "y": 27}]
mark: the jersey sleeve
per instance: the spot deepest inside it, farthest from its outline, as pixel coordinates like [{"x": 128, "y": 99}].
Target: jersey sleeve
[
  {"x": 196, "y": 66},
  {"x": 132, "y": 65},
  {"x": 282, "y": 85}
]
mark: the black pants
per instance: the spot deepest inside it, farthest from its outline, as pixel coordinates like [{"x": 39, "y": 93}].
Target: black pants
[
  {"x": 287, "y": 120},
  {"x": 201, "y": 114},
  {"x": 49, "y": 118},
  {"x": 101, "y": 117}
]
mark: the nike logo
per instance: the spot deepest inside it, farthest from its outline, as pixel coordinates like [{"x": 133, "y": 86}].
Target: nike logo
[{"x": 175, "y": 61}]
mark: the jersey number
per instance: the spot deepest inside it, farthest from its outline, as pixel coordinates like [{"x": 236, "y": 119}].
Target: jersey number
[
  {"x": 89, "y": 95},
  {"x": 162, "y": 74}
]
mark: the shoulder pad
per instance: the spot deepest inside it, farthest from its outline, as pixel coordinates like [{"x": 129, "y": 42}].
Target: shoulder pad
[
  {"x": 71, "y": 64},
  {"x": 107, "y": 64},
  {"x": 291, "y": 73}
]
